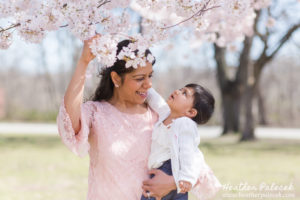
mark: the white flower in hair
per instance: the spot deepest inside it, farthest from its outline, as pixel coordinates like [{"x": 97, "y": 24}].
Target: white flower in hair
[
  {"x": 134, "y": 54},
  {"x": 130, "y": 63},
  {"x": 150, "y": 58},
  {"x": 126, "y": 53}
]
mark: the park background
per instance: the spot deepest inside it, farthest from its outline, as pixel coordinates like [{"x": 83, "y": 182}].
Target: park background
[{"x": 34, "y": 77}]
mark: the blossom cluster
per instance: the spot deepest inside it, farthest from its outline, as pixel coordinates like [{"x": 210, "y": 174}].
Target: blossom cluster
[
  {"x": 105, "y": 49},
  {"x": 219, "y": 21},
  {"x": 134, "y": 54}
]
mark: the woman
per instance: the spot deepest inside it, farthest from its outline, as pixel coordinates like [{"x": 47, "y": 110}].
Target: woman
[{"x": 115, "y": 129}]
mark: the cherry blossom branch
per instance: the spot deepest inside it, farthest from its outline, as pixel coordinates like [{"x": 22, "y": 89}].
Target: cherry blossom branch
[
  {"x": 12, "y": 26},
  {"x": 103, "y": 3},
  {"x": 198, "y": 13}
]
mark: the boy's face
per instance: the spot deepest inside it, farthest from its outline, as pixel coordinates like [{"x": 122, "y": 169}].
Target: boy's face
[{"x": 181, "y": 101}]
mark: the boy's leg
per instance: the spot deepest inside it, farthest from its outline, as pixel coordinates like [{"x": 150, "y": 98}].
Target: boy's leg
[
  {"x": 170, "y": 196},
  {"x": 181, "y": 196},
  {"x": 173, "y": 195},
  {"x": 167, "y": 168}
]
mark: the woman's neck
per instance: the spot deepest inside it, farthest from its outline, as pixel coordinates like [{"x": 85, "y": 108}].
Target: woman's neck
[{"x": 126, "y": 106}]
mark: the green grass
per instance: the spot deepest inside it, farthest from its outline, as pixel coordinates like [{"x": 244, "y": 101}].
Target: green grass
[
  {"x": 41, "y": 167},
  {"x": 31, "y": 115}
]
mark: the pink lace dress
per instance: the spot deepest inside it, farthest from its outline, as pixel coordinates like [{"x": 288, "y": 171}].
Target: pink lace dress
[{"x": 118, "y": 145}]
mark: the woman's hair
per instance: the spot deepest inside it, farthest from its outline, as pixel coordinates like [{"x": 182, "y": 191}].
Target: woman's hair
[
  {"x": 204, "y": 103},
  {"x": 105, "y": 89}
]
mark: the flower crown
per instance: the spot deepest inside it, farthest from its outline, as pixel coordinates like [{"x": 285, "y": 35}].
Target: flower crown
[
  {"x": 134, "y": 57},
  {"x": 105, "y": 50}
]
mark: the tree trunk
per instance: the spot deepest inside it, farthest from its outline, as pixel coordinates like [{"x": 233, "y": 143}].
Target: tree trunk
[
  {"x": 230, "y": 94},
  {"x": 262, "y": 120},
  {"x": 248, "y": 129},
  {"x": 231, "y": 113}
]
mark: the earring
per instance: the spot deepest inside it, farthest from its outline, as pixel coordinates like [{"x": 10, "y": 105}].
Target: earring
[{"x": 116, "y": 85}]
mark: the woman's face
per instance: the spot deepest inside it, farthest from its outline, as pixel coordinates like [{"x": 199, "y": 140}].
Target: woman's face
[{"x": 136, "y": 83}]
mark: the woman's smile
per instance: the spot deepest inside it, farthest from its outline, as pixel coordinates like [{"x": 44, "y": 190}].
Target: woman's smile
[{"x": 143, "y": 95}]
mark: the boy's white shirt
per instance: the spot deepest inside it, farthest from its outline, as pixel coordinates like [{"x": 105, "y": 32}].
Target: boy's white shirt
[{"x": 184, "y": 138}]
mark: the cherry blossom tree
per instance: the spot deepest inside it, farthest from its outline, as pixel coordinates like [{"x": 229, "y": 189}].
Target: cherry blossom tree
[{"x": 219, "y": 21}]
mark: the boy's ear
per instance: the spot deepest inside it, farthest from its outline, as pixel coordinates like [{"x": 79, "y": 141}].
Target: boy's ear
[
  {"x": 191, "y": 113},
  {"x": 116, "y": 79}
]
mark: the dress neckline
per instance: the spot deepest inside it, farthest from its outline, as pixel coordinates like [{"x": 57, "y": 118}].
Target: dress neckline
[{"x": 129, "y": 114}]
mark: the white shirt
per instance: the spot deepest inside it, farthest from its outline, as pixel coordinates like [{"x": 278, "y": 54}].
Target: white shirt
[
  {"x": 179, "y": 143},
  {"x": 160, "y": 146}
]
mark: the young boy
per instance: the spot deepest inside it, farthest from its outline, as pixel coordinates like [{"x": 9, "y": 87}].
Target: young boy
[{"x": 175, "y": 141}]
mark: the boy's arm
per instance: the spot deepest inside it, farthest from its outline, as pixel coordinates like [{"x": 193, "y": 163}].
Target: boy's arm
[
  {"x": 188, "y": 170},
  {"x": 158, "y": 104}
]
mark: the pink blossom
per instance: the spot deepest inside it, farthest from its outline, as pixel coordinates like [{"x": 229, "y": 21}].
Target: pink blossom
[
  {"x": 219, "y": 21},
  {"x": 5, "y": 40}
]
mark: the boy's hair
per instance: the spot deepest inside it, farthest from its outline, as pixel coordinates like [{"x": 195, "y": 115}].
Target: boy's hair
[{"x": 204, "y": 103}]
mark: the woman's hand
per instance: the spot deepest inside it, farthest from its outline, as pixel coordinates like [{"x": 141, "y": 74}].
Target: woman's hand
[
  {"x": 160, "y": 185},
  {"x": 87, "y": 55}
]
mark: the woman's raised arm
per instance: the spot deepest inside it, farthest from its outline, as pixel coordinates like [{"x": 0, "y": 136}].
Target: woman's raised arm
[{"x": 74, "y": 95}]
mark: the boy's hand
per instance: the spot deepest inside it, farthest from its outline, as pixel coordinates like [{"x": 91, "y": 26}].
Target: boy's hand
[{"x": 185, "y": 186}]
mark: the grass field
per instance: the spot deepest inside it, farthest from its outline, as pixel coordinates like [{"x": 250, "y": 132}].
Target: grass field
[{"x": 41, "y": 167}]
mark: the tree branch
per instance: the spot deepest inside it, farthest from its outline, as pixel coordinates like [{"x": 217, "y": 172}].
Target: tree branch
[
  {"x": 103, "y": 2},
  {"x": 255, "y": 27},
  {"x": 284, "y": 39},
  {"x": 198, "y": 13},
  {"x": 264, "y": 58},
  {"x": 11, "y": 27}
]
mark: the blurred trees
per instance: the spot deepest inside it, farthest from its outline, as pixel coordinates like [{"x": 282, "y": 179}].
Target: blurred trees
[
  {"x": 252, "y": 57},
  {"x": 35, "y": 94},
  {"x": 2, "y": 103},
  {"x": 27, "y": 97},
  {"x": 278, "y": 86}
]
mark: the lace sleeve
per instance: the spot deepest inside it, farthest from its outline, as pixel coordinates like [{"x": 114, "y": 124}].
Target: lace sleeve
[{"x": 78, "y": 144}]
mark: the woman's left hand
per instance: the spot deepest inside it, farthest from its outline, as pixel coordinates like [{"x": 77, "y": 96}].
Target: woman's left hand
[{"x": 160, "y": 185}]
